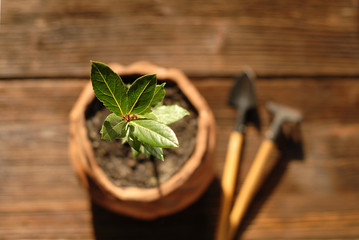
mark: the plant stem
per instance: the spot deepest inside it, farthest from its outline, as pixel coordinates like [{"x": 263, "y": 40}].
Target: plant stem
[{"x": 156, "y": 173}]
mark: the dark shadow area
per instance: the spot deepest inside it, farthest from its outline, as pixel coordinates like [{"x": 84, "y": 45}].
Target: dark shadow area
[
  {"x": 290, "y": 148},
  {"x": 196, "y": 222},
  {"x": 156, "y": 174},
  {"x": 253, "y": 118}
]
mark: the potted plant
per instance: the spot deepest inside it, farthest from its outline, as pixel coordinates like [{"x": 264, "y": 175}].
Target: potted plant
[{"x": 140, "y": 119}]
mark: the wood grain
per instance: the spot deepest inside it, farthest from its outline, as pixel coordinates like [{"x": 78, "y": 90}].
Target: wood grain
[
  {"x": 40, "y": 38},
  {"x": 309, "y": 198},
  {"x": 306, "y": 54}
]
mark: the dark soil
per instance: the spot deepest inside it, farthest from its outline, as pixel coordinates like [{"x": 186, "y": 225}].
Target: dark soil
[{"x": 116, "y": 158}]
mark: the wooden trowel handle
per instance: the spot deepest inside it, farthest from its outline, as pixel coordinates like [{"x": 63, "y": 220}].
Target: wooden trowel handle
[
  {"x": 249, "y": 187},
  {"x": 229, "y": 182}
]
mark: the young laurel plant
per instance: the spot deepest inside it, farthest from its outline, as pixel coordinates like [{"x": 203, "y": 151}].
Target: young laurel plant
[{"x": 138, "y": 116}]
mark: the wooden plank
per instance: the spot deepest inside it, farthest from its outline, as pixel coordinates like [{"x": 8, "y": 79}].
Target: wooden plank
[
  {"x": 314, "y": 197},
  {"x": 207, "y": 38},
  {"x": 40, "y": 196}
]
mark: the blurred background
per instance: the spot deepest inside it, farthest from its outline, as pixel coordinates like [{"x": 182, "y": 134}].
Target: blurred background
[{"x": 304, "y": 53}]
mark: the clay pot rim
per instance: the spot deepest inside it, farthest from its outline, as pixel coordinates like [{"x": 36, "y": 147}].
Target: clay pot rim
[{"x": 205, "y": 121}]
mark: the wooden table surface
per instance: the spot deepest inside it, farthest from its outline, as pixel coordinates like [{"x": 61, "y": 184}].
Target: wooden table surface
[{"x": 305, "y": 53}]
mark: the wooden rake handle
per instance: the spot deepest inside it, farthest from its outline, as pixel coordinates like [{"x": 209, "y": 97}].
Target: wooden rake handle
[
  {"x": 229, "y": 182},
  {"x": 249, "y": 187}
]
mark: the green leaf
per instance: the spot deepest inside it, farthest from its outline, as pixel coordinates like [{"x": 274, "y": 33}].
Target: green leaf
[
  {"x": 154, "y": 151},
  {"x": 132, "y": 140},
  {"x": 114, "y": 127},
  {"x": 135, "y": 153},
  {"x": 154, "y": 133},
  {"x": 137, "y": 147},
  {"x": 144, "y": 151},
  {"x": 140, "y": 94},
  {"x": 169, "y": 114},
  {"x": 109, "y": 88},
  {"x": 157, "y": 99},
  {"x": 158, "y": 95},
  {"x": 149, "y": 115}
]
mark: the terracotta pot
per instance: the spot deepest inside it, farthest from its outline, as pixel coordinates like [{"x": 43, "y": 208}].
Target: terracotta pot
[{"x": 185, "y": 187}]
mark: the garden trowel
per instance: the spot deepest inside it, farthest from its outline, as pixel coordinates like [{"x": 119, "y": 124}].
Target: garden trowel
[
  {"x": 282, "y": 114},
  {"x": 242, "y": 97}
]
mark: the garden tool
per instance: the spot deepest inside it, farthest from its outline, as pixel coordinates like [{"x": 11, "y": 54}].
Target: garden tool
[
  {"x": 241, "y": 97},
  {"x": 282, "y": 115}
]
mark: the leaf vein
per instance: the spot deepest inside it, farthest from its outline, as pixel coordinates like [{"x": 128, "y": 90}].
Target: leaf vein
[
  {"x": 104, "y": 93},
  {"x": 104, "y": 80},
  {"x": 155, "y": 133},
  {"x": 139, "y": 95}
]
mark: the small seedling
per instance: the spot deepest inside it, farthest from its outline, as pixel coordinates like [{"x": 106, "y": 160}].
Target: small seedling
[{"x": 138, "y": 116}]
